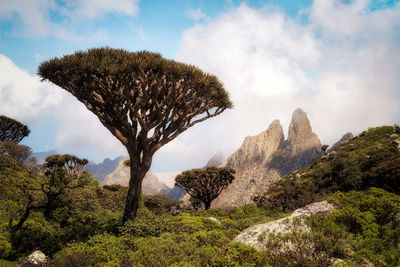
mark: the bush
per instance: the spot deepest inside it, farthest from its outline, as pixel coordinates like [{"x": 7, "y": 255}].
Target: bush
[
  {"x": 160, "y": 204},
  {"x": 368, "y": 160},
  {"x": 316, "y": 247},
  {"x": 100, "y": 250}
]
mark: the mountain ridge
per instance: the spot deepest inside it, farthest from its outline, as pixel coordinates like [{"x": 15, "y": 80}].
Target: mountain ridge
[{"x": 263, "y": 159}]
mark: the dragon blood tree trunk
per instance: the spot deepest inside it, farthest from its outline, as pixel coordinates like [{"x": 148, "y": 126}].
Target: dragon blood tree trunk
[{"x": 134, "y": 192}]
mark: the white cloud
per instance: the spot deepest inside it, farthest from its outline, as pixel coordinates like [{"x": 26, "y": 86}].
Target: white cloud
[
  {"x": 25, "y": 98},
  {"x": 345, "y": 79},
  {"x": 352, "y": 20},
  {"x": 33, "y": 15},
  {"x": 341, "y": 67},
  {"x": 22, "y": 96},
  {"x": 32, "y": 18},
  {"x": 196, "y": 14},
  {"x": 81, "y": 9}
]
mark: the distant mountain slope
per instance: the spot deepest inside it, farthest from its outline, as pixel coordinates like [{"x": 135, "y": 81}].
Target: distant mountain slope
[
  {"x": 216, "y": 160},
  {"x": 151, "y": 184},
  {"x": 344, "y": 138},
  {"x": 264, "y": 158},
  {"x": 101, "y": 170},
  {"x": 41, "y": 156},
  {"x": 370, "y": 159}
]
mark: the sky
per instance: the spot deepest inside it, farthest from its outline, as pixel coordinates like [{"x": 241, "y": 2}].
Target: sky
[{"x": 338, "y": 60}]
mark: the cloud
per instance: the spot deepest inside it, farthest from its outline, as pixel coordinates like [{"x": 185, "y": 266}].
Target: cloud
[
  {"x": 25, "y": 98},
  {"x": 340, "y": 67},
  {"x": 338, "y": 19},
  {"x": 196, "y": 14},
  {"x": 33, "y": 19},
  {"x": 33, "y": 15},
  {"x": 90, "y": 9},
  {"x": 22, "y": 96}
]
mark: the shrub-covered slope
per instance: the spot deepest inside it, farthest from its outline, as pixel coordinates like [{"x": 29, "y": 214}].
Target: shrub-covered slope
[{"x": 371, "y": 159}]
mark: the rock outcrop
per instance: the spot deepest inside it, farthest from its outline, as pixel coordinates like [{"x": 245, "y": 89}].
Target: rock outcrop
[
  {"x": 121, "y": 175},
  {"x": 36, "y": 259},
  {"x": 176, "y": 193},
  {"x": 251, "y": 236},
  {"x": 344, "y": 138},
  {"x": 264, "y": 158},
  {"x": 216, "y": 160},
  {"x": 101, "y": 170}
]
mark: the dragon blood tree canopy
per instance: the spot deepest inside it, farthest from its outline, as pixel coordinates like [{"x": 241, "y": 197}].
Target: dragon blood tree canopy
[
  {"x": 135, "y": 94},
  {"x": 144, "y": 99}
]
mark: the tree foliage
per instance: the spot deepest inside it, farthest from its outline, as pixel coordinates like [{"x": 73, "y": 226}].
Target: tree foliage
[
  {"x": 70, "y": 163},
  {"x": 23, "y": 194},
  {"x": 371, "y": 159},
  {"x": 143, "y": 99},
  {"x": 324, "y": 148},
  {"x": 12, "y": 130},
  {"x": 205, "y": 184}
]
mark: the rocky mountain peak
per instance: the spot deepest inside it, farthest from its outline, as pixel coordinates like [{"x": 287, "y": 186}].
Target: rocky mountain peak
[
  {"x": 264, "y": 158},
  {"x": 121, "y": 175},
  {"x": 345, "y": 137},
  {"x": 300, "y": 134},
  {"x": 299, "y": 126},
  {"x": 259, "y": 148},
  {"x": 216, "y": 160}
]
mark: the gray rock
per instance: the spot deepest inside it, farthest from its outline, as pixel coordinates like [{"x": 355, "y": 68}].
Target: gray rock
[
  {"x": 251, "y": 236},
  {"x": 121, "y": 175},
  {"x": 214, "y": 220},
  {"x": 101, "y": 170},
  {"x": 342, "y": 140},
  {"x": 216, "y": 160},
  {"x": 265, "y": 158},
  {"x": 36, "y": 259}
]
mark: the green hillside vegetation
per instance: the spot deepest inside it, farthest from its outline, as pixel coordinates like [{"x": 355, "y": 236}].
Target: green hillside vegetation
[
  {"x": 371, "y": 159},
  {"x": 76, "y": 222}
]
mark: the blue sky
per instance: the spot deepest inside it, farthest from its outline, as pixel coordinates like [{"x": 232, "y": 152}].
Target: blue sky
[
  {"x": 338, "y": 60},
  {"x": 157, "y": 26}
]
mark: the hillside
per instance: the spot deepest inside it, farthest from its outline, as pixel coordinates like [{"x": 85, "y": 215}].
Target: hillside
[
  {"x": 101, "y": 170},
  {"x": 370, "y": 159},
  {"x": 120, "y": 175}
]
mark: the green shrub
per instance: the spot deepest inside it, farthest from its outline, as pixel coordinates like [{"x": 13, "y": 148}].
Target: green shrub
[
  {"x": 316, "y": 247},
  {"x": 160, "y": 204},
  {"x": 5, "y": 246},
  {"x": 368, "y": 160},
  {"x": 100, "y": 250}
]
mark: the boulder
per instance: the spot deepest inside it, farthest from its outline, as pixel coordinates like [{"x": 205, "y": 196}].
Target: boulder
[
  {"x": 36, "y": 259},
  {"x": 255, "y": 235},
  {"x": 214, "y": 220}
]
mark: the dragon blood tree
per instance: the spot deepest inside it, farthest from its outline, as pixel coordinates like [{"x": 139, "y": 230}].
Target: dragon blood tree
[
  {"x": 144, "y": 99},
  {"x": 12, "y": 130}
]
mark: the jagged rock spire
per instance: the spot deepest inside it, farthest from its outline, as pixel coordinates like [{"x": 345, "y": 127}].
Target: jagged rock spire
[{"x": 263, "y": 159}]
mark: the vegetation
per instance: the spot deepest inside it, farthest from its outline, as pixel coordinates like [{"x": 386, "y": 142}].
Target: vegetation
[
  {"x": 371, "y": 159},
  {"x": 144, "y": 100},
  {"x": 324, "y": 148},
  {"x": 12, "y": 130},
  {"x": 205, "y": 184},
  {"x": 62, "y": 211},
  {"x": 364, "y": 229}
]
